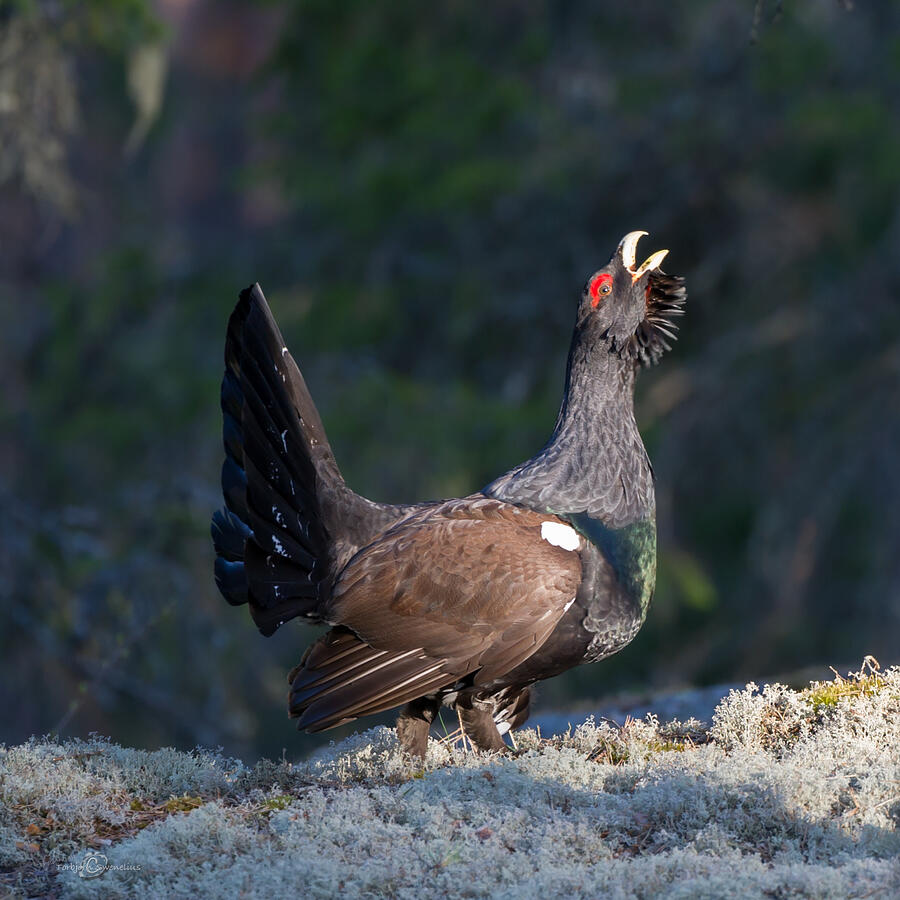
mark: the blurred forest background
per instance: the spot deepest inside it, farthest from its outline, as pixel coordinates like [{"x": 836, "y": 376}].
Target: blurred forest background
[{"x": 422, "y": 189}]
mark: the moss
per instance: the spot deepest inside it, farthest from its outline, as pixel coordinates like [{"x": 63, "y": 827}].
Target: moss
[
  {"x": 824, "y": 695},
  {"x": 280, "y": 801},
  {"x": 182, "y": 804}
]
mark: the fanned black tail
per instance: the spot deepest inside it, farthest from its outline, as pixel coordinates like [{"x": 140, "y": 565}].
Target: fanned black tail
[{"x": 271, "y": 542}]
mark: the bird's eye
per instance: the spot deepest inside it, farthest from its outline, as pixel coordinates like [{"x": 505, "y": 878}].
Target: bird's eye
[{"x": 600, "y": 287}]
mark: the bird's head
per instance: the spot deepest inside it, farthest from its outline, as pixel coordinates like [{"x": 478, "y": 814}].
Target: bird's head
[{"x": 631, "y": 308}]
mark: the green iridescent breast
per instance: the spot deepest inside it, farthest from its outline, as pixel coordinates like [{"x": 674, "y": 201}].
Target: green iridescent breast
[{"x": 631, "y": 550}]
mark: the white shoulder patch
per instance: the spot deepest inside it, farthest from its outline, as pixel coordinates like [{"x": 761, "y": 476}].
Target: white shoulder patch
[{"x": 560, "y": 535}]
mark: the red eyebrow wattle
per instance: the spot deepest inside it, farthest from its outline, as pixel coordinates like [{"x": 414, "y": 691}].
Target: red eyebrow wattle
[{"x": 596, "y": 284}]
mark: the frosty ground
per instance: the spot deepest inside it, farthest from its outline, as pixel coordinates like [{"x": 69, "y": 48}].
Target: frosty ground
[{"x": 786, "y": 794}]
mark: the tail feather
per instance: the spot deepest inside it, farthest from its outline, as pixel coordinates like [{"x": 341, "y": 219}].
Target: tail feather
[
  {"x": 278, "y": 523},
  {"x": 295, "y": 487},
  {"x": 270, "y": 424},
  {"x": 229, "y": 535},
  {"x": 270, "y": 540},
  {"x": 290, "y": 522},
  {"x": 231, "y": 579}
]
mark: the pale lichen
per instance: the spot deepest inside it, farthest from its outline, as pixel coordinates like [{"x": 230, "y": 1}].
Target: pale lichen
[{"x": 786, "y": 795}]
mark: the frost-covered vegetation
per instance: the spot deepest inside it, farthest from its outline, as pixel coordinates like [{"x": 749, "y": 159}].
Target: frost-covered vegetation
[{"x": 786, "y": 794}]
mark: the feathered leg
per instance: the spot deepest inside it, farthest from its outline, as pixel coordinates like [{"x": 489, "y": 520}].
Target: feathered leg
[
  {"x": 414, "y": 723},
  {"x": 481, "y": 729}
]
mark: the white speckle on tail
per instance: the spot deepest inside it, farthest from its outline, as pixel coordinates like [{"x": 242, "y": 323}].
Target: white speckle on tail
[
  {"x": 502, "y": 727},
  {"x": 284, "y": 351},
  {"x": 560, "y": 535},
  {"x": 566, "y": 607},
  {"x": 278, "y": 545},
  {"x": 284, "y": 439}
]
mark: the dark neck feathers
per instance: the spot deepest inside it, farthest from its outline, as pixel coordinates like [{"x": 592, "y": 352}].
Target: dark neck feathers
[{"x": 595, "y": 461}]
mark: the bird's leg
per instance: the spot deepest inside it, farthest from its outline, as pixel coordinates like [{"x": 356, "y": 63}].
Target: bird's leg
[
  {"x": 479, "y": 726},
  {"x": 414, "y": 723}
]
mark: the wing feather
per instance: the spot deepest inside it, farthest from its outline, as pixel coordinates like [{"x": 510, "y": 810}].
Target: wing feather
[{"x": 467, "y": 588}]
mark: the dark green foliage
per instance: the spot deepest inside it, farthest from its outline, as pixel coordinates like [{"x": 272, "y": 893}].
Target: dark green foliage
[{"x": 422, "y": 190}]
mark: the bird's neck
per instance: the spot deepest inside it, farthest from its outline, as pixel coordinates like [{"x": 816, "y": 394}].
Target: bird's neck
[{"x": 595, "y": 461}]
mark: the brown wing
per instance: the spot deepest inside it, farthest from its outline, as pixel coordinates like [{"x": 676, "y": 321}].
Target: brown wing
[{"x": 469, "y": 586}]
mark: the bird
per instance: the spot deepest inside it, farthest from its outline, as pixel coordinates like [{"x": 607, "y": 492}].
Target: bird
[{"x": 465, "y": 602}]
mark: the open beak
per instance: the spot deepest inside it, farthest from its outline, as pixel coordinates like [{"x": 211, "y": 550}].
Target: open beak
[{"x": 628, "y": 250}]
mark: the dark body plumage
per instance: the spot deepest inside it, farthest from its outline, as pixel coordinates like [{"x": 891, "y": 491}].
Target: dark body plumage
[{"x": 468, "y": 601}]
